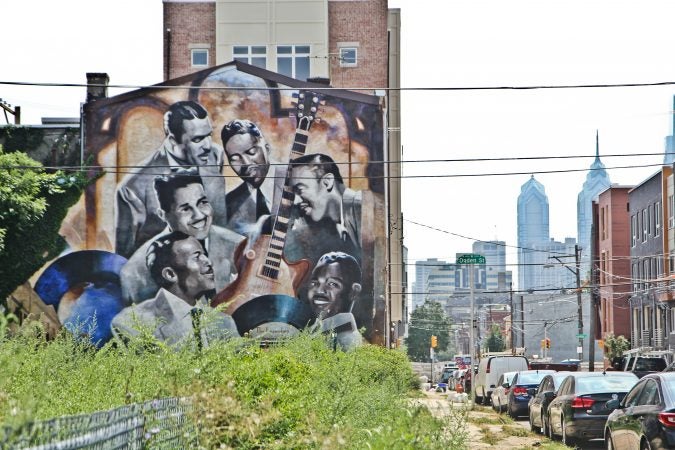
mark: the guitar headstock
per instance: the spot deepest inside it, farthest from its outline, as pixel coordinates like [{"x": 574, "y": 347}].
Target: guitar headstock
[{"x": 307, "y": 108}]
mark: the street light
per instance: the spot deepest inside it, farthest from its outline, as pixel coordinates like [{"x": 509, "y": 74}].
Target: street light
[{"x": 577, "y": 274}]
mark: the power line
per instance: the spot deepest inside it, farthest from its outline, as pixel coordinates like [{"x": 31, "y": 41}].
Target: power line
[{"x": 352, "y": 88}]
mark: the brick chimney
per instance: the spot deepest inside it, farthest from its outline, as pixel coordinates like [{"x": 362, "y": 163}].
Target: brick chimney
[{"x": 97, "y": 86}]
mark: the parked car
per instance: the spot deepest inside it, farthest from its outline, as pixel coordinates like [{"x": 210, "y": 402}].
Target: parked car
[
  {"x": 501, "y": 392},
  {"x": 645, "y": 418},
  {"x": 518, "y": 396},
  {"x": 640, "y": 365},
  {"x": 644, "y": 365},
  {"x": 489, "y": 370},
  {"x": 579, "y": 411},
  {"x": 541, "y": 397}
]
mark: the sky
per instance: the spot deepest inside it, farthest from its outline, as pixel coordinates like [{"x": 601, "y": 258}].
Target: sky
[{"x": 445, "y": 44}]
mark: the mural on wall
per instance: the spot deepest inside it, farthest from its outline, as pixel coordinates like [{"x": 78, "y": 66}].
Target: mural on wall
[{"x": 233, "y": 188}]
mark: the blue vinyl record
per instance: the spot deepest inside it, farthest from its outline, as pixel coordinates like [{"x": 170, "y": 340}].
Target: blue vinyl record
[{"x": 84, "y": 288}]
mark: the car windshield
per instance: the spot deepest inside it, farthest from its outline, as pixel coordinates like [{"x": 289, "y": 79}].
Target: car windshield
[
  {"x": 508, "y": 377},
  {"x": 599, "y": 384},
  {"x": 531, "y": 377},
  {"x": 650, "y": 364},
  {"x": 668, "y": 384}
]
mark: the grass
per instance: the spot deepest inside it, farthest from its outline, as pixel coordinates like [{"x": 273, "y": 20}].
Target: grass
[
  {"x": 489, "y": 437},
  {"x": 515, "y": 431},
  {"x": 299, "y": 394}
]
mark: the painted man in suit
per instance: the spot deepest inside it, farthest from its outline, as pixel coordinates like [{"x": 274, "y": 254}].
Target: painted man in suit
[
  {"x": 329, "y": 212},
  {"x": 334, "y": 288},
  {"x": 260, "y": 192},
  {"x": 188, "y": 143},
  {"x": 179, "y": 311},
  {"x": 184, "y": 207}
]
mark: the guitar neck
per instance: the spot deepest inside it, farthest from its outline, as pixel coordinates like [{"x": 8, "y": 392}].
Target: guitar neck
[{"x": 275, "y": 250}]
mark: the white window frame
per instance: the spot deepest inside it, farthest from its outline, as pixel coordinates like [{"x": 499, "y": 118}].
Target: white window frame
[
  {"x": 645, "y": 224},
  {"x": 294, "y": 55},
  {"x": 671, "y": 211},
  {"x": 251, "y": 52},
  {"x": 193, "y": 51},
  {"x": 348, "y": 63},
  {"x": 657, "y": 218},
  {"x": 633, "y": 230}
]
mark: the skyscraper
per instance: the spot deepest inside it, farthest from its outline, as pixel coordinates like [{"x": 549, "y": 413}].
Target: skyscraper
[
  {"x": 422, "y": 270},
  {"x": 533, "y": 228},
  {"x": 597, "y": 181}
]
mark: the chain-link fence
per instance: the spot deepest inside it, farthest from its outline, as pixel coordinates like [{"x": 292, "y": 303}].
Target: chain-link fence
[{"x": 157, "y": 424}]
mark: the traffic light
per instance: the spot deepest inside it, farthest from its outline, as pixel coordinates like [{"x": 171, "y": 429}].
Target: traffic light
[
  {"x": 548, "y": 342},
  {"x": 434, "y": 341}
]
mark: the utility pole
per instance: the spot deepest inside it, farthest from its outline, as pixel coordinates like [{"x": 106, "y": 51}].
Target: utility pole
[
  {"x": 580, "y": 334},
  {"x": 472, "y": 346},
  {"x": 513, "y": 321},
  {"x": 594, "y": 320},
  {"x": 577, "y": 275}
]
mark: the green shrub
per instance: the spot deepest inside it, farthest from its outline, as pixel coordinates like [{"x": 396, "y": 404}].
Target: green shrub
[{"x": 297, "y": 394}]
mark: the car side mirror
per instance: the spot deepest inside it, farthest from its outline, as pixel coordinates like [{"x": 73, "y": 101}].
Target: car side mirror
[
  {"x": 506, "y": 385},
  {"x": 613, "y": 404},
  {"x": 532, "y": 391},
  {"x": 549, "y": 395}
]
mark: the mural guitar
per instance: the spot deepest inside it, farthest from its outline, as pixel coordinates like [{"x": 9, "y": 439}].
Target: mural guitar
[{"x": 261, "y": 266}]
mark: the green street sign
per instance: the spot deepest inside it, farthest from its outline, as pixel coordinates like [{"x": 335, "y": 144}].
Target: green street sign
[
  {"x": 471, "y": 258},
  {"x": 582, "y": 336}
]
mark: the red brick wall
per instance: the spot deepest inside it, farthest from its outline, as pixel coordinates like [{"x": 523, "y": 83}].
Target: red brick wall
[
  {"x": 618, "y": 246},
  {"x": 364, "y": 22},
  {"x": 190, "y": 23}
]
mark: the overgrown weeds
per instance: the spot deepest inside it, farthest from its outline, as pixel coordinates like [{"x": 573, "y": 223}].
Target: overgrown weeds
[{"x": 297, "y": 394}]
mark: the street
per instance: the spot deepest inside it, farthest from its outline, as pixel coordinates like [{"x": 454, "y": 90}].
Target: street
[{"x": 487, "y": 428}]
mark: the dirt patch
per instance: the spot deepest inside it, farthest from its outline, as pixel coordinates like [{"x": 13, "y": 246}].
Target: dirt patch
[{"x": 486, "y": 428}]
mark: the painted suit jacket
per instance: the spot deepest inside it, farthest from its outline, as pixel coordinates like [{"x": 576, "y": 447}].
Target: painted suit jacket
[
  {"x": 221, "y": 243},
  {"x": 170, "y": 318},
  {"x": 242, "y": 211},
  {"x": 137, "y": 203}
]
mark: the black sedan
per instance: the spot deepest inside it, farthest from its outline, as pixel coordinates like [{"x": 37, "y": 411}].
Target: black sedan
[
  {"x": 579, "y": 411},
  {"x": 519, "y": 392},
  {"x": 541, "y": 398},
  {"x": 645, "y": 418}
]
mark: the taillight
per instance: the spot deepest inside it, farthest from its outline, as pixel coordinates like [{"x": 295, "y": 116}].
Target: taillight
[
  {"x": 668, "y": 419},
  {"x": 582, "y": 403},
  {"x": 519, "y": 390}
]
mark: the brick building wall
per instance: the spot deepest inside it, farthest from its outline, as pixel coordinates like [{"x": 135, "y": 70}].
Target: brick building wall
[
  {"x": 191, "y": 24},
  {"x": 615, "y": 244},
  {"x": 363, "y": 23}
]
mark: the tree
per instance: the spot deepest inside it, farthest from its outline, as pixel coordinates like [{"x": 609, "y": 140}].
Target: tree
[
  {"x": 614, "y": 346},
  {"x": 495, "y": 340},
  {"x": 427, "y": 320},
  {"x": 33, "y": 203}
]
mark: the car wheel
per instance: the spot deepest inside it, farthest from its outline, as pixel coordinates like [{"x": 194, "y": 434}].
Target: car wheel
[
  {"x": 533, "y": 428},
  {"x": 549, "y": 429},
  {"x": 566, "y": 440},
  {"x": 644, "y": 445},
  {"x": 477, "y": 400},
  {"x": 609, "y": 445},
  {"x": 543, "y": 426},
  {"x": 486, "y": 401},
  {"x": 510, "y": 411}
]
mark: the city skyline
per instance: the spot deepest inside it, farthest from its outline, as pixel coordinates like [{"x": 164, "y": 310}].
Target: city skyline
[{"x": 465, "y": 44}]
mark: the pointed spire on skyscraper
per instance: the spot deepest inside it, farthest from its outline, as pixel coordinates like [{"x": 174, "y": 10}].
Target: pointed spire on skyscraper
[{"x": 597, "y": 146}]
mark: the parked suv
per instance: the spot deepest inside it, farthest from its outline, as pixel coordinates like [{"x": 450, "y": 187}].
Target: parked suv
[
  {"x": 641, "y": 365},
  {"x": 489, "y": 370}
]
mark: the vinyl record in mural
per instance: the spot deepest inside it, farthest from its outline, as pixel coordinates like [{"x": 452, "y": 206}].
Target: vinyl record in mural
[
  {"x": 84, "y": 288},
  {"x": 272, "y": 316}
]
